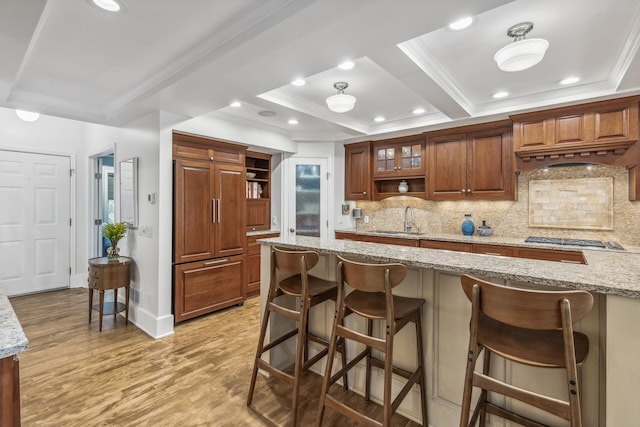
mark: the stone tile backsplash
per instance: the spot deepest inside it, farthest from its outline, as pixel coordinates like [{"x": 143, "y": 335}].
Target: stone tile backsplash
[{"x": 510, "y": 218}]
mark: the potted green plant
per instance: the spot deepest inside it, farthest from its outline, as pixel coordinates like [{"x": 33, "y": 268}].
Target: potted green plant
[{"x": 114, "y": 232}]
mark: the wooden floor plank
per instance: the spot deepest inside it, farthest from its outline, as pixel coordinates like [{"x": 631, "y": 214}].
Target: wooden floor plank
[{"x": 73, "y": 375}]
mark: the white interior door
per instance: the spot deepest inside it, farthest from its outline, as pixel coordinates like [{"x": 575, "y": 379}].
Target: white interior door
[
  {"x": 34, "y": 222},
  {"x": 307, "y": 197}
]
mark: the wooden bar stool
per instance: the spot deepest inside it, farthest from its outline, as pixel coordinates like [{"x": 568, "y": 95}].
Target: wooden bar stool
[
  {"x": 311, "y": 291},
  {"x": 372, "y": 299},
  {"x": 530, "y": 327}
]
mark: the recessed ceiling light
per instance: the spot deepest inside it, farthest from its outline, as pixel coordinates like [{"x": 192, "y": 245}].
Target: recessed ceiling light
[
  {"x": 501, "y": 94},
  {"x": 27, "y": 116},
  {"x": 108, "y": 5},
  {"x": 570, "y": 80},
  {"x": 379, "y": 119},
  {"x": 236, "y": 104},
  {"x": 292, "y": 122},
  {"x": 347, "y": 65},
  {"x": 461, "y": 24},
  {"x": 418, "y": 110},
  {"x": 299, "y": 82}
]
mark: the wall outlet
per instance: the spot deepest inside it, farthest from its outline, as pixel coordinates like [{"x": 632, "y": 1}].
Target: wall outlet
[
  {"x": 366, "y": 219},
  {"x": 274, "y": 220}
]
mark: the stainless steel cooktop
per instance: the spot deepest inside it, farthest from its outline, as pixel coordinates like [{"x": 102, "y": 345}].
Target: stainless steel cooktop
[{"x": 574, "y": 242}]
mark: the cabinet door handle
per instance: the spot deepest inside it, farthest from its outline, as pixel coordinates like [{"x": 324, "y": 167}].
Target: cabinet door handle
[
  {"x": 468, "y": 190},
  {"x": 213, "y": 211},
  {"x": 218, "y": 261},
  {"x": 364, "y": 192},
  {"x": 219, "y": 211},
  {"x": 463, "y": 190}
]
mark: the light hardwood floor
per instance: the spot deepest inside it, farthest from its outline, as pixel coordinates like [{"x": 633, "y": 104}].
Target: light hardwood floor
[{"x": 73, "y": 375}]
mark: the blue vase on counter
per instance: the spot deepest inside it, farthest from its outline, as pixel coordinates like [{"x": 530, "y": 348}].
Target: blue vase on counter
[{"x": 468, "y": 227}]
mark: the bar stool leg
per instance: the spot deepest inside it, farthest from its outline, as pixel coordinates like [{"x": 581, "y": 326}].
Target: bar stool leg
[
  {"x": 486, "y": 366},
  {"x": 367, "y": 388},
  {"x": 421, "y": 366},
  {"x": 388, "y": 376},
  {"x": 333, "y": 343},
  {"x": 259, "y": 350},
  {"x": 300, "y": 356}
]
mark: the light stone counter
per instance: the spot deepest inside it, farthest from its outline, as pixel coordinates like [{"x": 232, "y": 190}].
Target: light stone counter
[
  {"x": 12, "y": 338},
  {"x": 607, "y": 271},
  {"x": 609, "y": 376},
  {"x": 261, "y": 232}
]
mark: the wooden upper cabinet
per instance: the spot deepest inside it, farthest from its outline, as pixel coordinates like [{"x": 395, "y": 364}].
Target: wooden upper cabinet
[
  {"x": 196, "y": 147},
  {"x": 489, "y": 165},
  {"x": 582, "y": 131},
  {"x": 399, "y": 157},
  {"x": 472, "y": 165},
  {"x": 448, "y": 167},
  {"x": 357, "y": 167}
]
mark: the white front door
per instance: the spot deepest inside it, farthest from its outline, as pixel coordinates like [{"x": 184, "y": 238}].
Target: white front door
[
  {"x": 34, "y": 222},
  {"x": 307, "y": 197}
]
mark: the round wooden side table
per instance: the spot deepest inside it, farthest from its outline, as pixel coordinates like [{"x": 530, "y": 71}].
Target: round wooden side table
[{"x": 108, "y": 275}]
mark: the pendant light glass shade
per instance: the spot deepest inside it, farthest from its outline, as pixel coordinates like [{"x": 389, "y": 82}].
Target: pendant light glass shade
[
  {"x": 341, "y": 103},
  {"x": 523, "y": 53}
]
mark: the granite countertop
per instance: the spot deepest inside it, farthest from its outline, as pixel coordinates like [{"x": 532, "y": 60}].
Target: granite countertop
[
  {"x": 12, "y": 338},
  {"x": 607, "y": 271},
  {"x": 490, "y": 240},
  {"x": 261, "y": 232}
]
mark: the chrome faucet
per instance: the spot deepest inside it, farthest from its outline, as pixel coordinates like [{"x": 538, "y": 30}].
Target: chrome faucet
[{"x": 407, "y": 210}]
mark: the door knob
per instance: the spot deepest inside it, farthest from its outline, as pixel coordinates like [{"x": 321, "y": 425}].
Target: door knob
[{"x": 293, "y": 230}]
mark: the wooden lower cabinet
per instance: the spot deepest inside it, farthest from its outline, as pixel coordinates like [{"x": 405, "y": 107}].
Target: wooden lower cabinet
[
  {"x": 205, "y": 286},
  {"x": 574, "y": 257},
  {"x": 389, "y": 240},
  {"x": 480, "y": 248},
  {"x": 253, "y": 263},
  {"x": 10, "y": 391},
  {"x": 449, "y": 246}
]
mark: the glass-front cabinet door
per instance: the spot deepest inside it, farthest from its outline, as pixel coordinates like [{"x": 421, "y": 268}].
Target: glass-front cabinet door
[{"x": 405, "y": 158}]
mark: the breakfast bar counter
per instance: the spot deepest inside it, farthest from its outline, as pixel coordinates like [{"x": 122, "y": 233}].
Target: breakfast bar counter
[
  {"x": 12, "y": 342},
  {"x": 610, "y": 373}
]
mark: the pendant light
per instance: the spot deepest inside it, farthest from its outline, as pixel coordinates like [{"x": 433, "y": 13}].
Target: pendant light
[
  {"x": 523, "y": 53},
  {"x": 341, "y": 103}
]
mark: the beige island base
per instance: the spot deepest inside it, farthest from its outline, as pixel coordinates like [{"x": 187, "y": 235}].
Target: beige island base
[{"x": 609, "y": 376}]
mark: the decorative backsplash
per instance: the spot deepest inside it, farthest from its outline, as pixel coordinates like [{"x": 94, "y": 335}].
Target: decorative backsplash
[
  {"x": 579, "y": 203},
  {"x": 511, "y": 218}
]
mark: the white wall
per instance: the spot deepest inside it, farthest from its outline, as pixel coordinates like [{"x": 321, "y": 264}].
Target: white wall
[{"x": 51, "y": 135}]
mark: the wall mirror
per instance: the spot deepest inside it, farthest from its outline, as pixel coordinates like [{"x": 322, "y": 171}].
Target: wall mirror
[{"x": 129, "y": 192}]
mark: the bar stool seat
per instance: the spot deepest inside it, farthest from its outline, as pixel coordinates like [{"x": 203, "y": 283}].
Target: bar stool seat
[
  {"x": 310, "y": 291},
  {"x": 372, "y": 299},
  {"x": 530, "y": 327},
  {"x": 373, "y": 305},
  {"x": 293, "y": 286}
]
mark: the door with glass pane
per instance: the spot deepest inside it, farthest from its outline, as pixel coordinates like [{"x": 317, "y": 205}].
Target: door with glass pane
[{"x": 308, "y": 197}]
